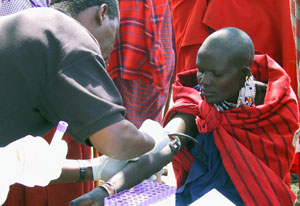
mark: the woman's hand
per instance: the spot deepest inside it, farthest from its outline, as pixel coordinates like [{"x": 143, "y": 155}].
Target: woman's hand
[{"x": 92, "y": 198}]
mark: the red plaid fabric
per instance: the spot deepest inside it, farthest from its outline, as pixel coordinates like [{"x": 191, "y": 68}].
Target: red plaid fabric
[
  {"x": 141, "y": 101},
  {"x": 255, "y": 143},
  {"x": 138, "y": 53},
  {"x": 142, "y": 81}
]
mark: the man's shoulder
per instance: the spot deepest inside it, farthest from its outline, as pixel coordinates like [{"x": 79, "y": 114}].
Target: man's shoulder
[
  {"x": 37, "y": 18},
  {"x": 46, "y": 24},
  {"x": 46, "y": 16}
]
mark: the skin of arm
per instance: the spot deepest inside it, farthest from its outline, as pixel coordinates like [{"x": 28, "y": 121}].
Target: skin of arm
[
  {"x": 147, "y": 164},
  {"x": 122, "y": 141},
  {"x": 71, "y": 172}
]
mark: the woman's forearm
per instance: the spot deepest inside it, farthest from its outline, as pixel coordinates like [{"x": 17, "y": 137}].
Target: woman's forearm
[
  {"x": 136, "y": 172},
  {"x": 182, "y": 123}
]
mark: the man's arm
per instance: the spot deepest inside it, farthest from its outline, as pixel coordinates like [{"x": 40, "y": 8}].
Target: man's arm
[
  {"x": 122, "y": 141},
  {"x": 93, "y": 169},
  {"x": 71, "y": 172},
  {"x": 147, "y": 164}
]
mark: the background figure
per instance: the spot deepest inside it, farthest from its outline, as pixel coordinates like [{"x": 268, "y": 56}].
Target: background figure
[
  {"x": 142, "y": 61},
  {"x": 13, "y": 6}
]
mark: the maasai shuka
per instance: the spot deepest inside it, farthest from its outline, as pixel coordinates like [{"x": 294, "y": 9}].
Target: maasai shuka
[
  {"x": 255, "y": 143},
  {"x": 139, "y": 56}
]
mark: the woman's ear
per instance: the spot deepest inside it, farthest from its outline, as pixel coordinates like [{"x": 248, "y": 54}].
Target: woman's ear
[{"x": 101, "y": 14}]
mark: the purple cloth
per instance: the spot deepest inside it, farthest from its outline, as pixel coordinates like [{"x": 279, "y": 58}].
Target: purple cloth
[{"x": 12, "y": 6}]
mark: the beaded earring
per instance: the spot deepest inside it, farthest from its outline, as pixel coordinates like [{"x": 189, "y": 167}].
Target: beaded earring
[{"x": 247, "y": 93}]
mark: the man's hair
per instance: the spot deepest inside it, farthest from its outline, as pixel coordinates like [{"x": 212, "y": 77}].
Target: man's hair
[{"x": 74, "y": 7}]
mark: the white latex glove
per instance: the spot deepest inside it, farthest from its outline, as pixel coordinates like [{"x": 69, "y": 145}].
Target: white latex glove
[
  {"x": 34, "y": 161},
  {"x": 156, "y": 131},
  {"x": 105, "y": 167},
  {"x": 4, "y": 187}
]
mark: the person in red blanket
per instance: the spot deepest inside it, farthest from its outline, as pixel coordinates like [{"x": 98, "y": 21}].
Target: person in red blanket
[{"x": 242, "y": 111}]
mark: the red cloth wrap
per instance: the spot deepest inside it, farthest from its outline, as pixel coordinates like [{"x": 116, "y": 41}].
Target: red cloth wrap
[{"x": 255, "y": 143}]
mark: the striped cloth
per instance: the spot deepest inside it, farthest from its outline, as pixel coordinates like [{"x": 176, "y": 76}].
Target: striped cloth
[
  {"x": 143, "y": 59},
  {"x": 295, "y": 19},
  {"x": 255, "y": 143},
  {"x": 13, "y": 6}
]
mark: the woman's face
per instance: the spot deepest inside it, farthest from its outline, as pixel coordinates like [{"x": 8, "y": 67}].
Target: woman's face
[{"x": 219, "y": 80}]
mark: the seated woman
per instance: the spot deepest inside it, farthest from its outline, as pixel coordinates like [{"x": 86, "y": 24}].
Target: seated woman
[{"x": 245, "y": 128}]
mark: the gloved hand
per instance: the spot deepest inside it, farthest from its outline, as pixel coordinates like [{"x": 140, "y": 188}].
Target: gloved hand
[
  {"x": 156, "y": 131},
  {"x": 105, "y": 167},
  {"x": 34, "y": 162},
  {"x": 4, "y": 186}
]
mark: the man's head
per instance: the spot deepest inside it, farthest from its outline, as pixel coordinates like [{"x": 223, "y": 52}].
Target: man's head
[
  {"x": 224, "y": 60},
  {"x": 100, "y": 17}
]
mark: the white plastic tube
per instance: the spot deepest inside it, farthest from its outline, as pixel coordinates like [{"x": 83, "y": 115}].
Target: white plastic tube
[{"x": 59, "y": 132}]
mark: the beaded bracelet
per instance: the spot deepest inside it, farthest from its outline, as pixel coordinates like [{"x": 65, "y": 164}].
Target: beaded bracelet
[{"x": 110, "y": 189}]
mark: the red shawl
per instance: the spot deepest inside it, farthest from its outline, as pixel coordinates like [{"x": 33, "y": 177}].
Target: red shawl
[{"x": 255, "y": 143}]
